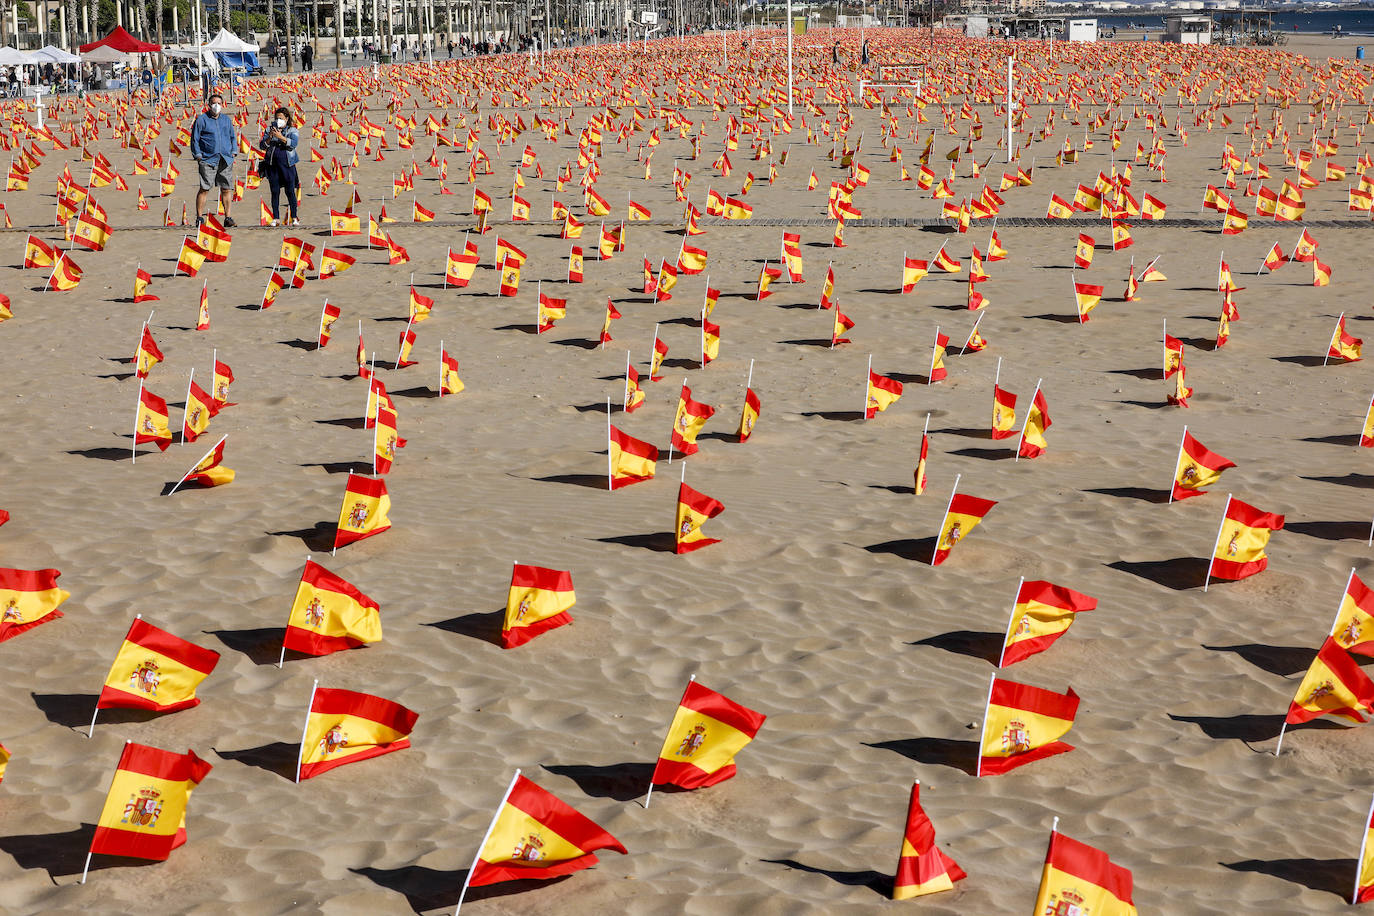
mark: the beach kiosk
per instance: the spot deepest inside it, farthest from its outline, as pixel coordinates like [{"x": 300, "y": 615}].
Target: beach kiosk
[{"x": 1187, "y": 30}]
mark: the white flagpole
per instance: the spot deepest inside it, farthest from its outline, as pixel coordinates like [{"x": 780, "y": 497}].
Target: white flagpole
[
  {"x": 138, "y": 409},
  {"x": 933, "y": 351},
  {"x": 703, "y": 335},
  {"x": 681, "y": 405},
  {"x": 978, "y": 772},
  {"x": 1334, "y": 337},
  {"x": 935, "y": 550},
  {"x": 1359, "y": 860},
  {"x": 610, "y": 465},
  {"x": 998, "y": 377},
  {"x": 486, "y": 836},
  {"x": 973, "y": 330},
  {"x": 868, "y": 381},
  {"x": 750, "y": 381},
  {"x": 1164, "y": 368},
  {"x": 1181, "y": 439},
  {"x": 194, "y": 466},
  {"x": 306, "y": 728},
  {"x": 441, "y": 368},
  {"x": 401, "y": 347},
  {"x": 1014, "y": 602},
  {"x": 186, "y": 408},
  {"x": 1026, "y": 422},
  {"x": 1215, "y": 545},
  {"x": 90, "y": 853},
  {"x": 690, "y": 680},
  {"x": 653, "y": 351}
]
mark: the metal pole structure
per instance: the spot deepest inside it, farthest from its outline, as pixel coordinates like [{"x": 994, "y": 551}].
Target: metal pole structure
[
  {"x": 1010, "y": 61},
  {"x": 788, "y": 26}
]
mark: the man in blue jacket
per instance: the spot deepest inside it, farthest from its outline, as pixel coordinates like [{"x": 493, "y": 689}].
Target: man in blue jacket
[{"x": 213, "y": 144}]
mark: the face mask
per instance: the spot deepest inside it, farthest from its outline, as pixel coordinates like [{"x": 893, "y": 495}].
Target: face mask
[
  {"x": 216, "y": 107},
  {"x": 281, "y": 122}
]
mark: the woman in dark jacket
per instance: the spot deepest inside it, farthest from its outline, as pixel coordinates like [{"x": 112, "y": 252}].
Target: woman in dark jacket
[{"x": 278, "y": 145}]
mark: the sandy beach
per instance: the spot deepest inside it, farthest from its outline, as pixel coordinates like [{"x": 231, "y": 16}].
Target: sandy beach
[{"x": 819, "y": 607}]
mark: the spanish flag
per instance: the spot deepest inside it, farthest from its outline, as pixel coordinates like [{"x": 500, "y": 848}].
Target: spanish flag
[
  {"x": 1364, "y": 880},
  {"x": 1023, "y": 724},
  {"x": 419, "y": 213},
  {"x": 938, "y": 372},
  {"x": 1305, "y": 249},
  {"x": 1343, "y": 346},
  {"x": 6, "y": 311},
  {"x": 1060, "y": 208},
  {"x": 921, "y": 867},
  {"x": 1244, "y": 534},
  {"x": 750, "y": 415},
  {"x": 224, "y": 377},
  {"x": 1173, "y": 354},
  {"x": 919, "y": 475},
  {"x": 538, "y": 601},
  {"x": 612, "y": 313},
  {"x": 737, "y": 209},
  {"x": 1353, "y": 629},
  {"x": 1334, "y": 684},
  {"x": 1086, "y": 296},
  {"x": 1080, "y": 879},
  {"x": 449, "y": 382},
  {"x": 883, "y": 392},
  {"x": 155, "y": 670},
  {"x": 632, "y": 460},
  {"x": 1043, "y": 612},
  {"x": 638, "y": 212},
  {"x": 1033, "y": 442},
  {"x": 66, "y": 274},
  {"x": 38, "y": 253},
  {"x": 841, "y": 324},
  {"x": 28, "y": 597},
  {"x": 4, "y": 761},
  {"x": 1003, "y": 413},
  {"x": 634, "y": 394},
  {"x": 203, "y": 312},
  {"x": 707, "y": 731},
  {"x": 91, "y": 232},
  {"x": 1197, "y": 468},
  {"x": 913, "y": 271},
  {"x": 328, "y": 315},
  {"x": 535, "y": 835},
  {"x": 946, "y": 263},
  {"x": 710, "y": 341},
  {"x": 364, "y": 511},
  {"x": 345, "y": 726},
  {"x": 191, "y": 258},
  {"x": 209, "y": 470},
  {"x": 214, "y": 239},
  {"x": 596, "y": 205},
  {"x": 519, "y": 209},
  {"x": 1083, "y": 251},
  {"x": 551, "y": 310},
  {"x": 688, "y": 422},
  {"x": 1367, "y": 434},
  {"x": 150, "y": 422},
  {"x": 345, "y": 223},
  {"x": 147, "y": 355},
  {"x": 334, "y": 262},
  {"x": 329, "y": 614},
  {"x": 200, "y": 407},
  {"x": 510, "y": 276},
  {"x": 145, "y": 810},
  {"x": 385, "y": 440},
  {"x": 962, "y": 516},
  {"x": 1275, "y": 258},
  {"x": 460, "y": 267},
  {"x": 693, "y": 510},
  {"x": 656, "y": 358}
]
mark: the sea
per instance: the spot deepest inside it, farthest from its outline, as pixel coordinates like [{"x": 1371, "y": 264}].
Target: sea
[{"x": 1356, "y": 22}]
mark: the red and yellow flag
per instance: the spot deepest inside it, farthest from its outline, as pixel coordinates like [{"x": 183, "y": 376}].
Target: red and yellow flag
[
  {"x": 66, "y": 274},
  {"x": 1343, "y": 346},
  {"x": 155, "y": 670},
  {"x": 938, "y": 372},
  {"x": 200, "y": 407},
  {"x": 538, "y": 601},
  {"x": 345, "y": 726},
  {"x": 329, "y": 614},
  {"x": 1244, "y": 534},
  {"x": 151, "y": 421},
  {"x": 1023, "y": 724},
  {"x": 147, "y": 355},
  {"x": 1335, "y": 685},
  {"x": 694, "y": 509},
  {"x": 1086, "y": 296},
  {"x": 1353, "y": 629},
  {"x": 364, "y": 512},
  {"x": 690, "y": 419},
  {"x": 919, "y": 475},
  {"x": 4, "y": 761},
  {"x": 883, "y": 392},
  {"x": 1080, "y": 879},
  {"x": 963, "y": 515},
  {"x": 210, "y": 471},
  {"x": 536, "y": 835},
  {"x": 632, "y": 460},
  {"x": 1043, "y": 612},
  {"x": 707, "y": 731},
  {"x": 1003, "y": 413},
  {"x": 921, "y": 867},
  {"x": 1033, "y": 442},
  {"x": 913, "y": 271},
  {"x": 449, "y": 382},
  {"x": 344, "y": 223},
  {"x": 1197, "y": 468},
  {"x": 1083, "y": 251},
  {"x": 28, "y": 597},
  {"x": 145, "y": 810},
  {"x": 328, "y": 315},
  {"x": 750, "y": 415}
]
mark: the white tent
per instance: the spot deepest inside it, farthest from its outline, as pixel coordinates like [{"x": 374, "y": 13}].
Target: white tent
[
  {"x": 10, "y": 57},
  {"x": 104, "y": 55},
  {"x": 207, "y": 57},
  {"x": 228, "y": 41},
  {"x": 54, "y": 55}
]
